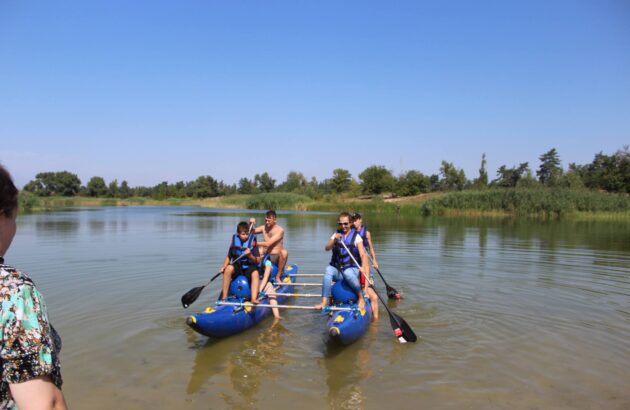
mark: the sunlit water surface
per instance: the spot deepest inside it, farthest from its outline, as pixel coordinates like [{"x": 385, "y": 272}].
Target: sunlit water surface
[{"x": 510, "y": 314}]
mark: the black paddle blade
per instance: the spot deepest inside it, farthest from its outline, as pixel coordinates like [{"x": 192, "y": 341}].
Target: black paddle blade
[
  {"x": 392, "y": 293},
  {"x": 192, "y": 295},
  {"x": 401, "y": 329}
]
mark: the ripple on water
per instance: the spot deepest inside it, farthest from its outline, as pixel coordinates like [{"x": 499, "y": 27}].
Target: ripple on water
[{"x": 509, "y": 315}]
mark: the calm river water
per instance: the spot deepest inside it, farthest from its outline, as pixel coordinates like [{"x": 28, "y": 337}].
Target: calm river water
[{"x": 510, "y": 314}]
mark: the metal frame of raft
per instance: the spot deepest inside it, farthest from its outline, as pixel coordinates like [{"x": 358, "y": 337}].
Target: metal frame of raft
[
  {"x": 265, "y": 305},
  {"x": 346, "y": 323}
]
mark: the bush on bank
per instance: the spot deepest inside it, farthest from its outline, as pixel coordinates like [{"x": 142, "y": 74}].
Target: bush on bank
[{"x": 542, "y": 201}]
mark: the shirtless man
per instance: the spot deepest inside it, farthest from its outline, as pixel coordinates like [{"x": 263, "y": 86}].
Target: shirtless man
[{"x": 273, "y": 243}]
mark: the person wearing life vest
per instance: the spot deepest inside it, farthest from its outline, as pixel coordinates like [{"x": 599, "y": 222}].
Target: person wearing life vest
[
  {"x": 363, "y": 232},
  {"x": 342, "y": 266},
  {"x": 243, "y": 246}
]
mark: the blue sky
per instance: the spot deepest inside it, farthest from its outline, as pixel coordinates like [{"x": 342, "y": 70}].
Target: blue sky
[{"x": 152, "y": 91}]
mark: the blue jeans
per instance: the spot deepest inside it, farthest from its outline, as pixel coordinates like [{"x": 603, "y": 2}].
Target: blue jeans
[{"x": 350, "y": 275}]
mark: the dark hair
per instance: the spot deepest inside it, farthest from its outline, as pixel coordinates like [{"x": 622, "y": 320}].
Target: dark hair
[
  {"x": 355, "y": 215},
  {"x": 8, "y": 192},
  {"x": 242, "y": 227},
  {"x": 346, "y": 214},
  {"x": 271, "y": 214}
]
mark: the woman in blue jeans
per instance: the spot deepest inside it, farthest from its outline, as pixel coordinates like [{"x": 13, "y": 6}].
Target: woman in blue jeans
[{"x": 342, "y": 264}]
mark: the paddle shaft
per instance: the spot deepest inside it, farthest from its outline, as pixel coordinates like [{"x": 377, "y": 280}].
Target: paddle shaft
[
  {"x": 389, "y": 288},
  {"x": 191, "y": 296},
  {"x": 392, "y": 316},
  {"x": 219, "y": 274},
  {"x": 305, "y": 274},
  {"x": 280, "y": 306}
]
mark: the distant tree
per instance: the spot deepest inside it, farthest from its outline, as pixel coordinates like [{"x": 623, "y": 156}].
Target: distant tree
[
  {"x": 341, "y": 180},
  {"x": 61, "y": 183},
  {"x": 124, "y": 191},
  {"x": 482, "y": 181},
  {"x": 36, "y": 186},
  {"x": 113, "y": 189},
  {"x": 161, "y": 191},
  {"x": 227, "y": 189},
  {"x": 264, "y": 182},
  {"x": 608, "y": 172},
  {"x": 434, "y": 179},
  {"x": 96, "y": 187},
  {"x": 527, "y": 180},
  {"x": 311, "y": 188},
  {"x": 295, "y": 181},
  {"x": 412, "y": 183},
  {"x": 143, "y": 191},
  {"x": 571, "y": 179},
  {"x": 623, "y": 162},
  {"x": 205, "y": 187},
  {"x": 452, "y": 178},
  {"x": 376, "y": 180},
  {"x": 179, "y": 189},
  {"x": 246, "y": 186},
  {"x": 550, "y": 170},
  {"x": 509, "y": 177}
]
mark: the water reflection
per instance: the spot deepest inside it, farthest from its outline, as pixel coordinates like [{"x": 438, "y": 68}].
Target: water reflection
[
  {"x": 246, "y": 365},
  {"x": 97, "y": 227},
  {"x": 605, "y": 235},
  {"x": 347, "y": 368},
  {"x": 476, "y": 291},
  {"x": 57, "y": 228}
]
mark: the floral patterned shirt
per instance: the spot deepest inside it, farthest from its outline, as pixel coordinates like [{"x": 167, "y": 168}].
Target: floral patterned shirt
[{"x": 29, "y": 345}]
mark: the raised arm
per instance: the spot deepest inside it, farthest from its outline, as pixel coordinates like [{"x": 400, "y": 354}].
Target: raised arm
[
  {"x": 257, "y": 229},
  {"x": 331, "y": 241}
]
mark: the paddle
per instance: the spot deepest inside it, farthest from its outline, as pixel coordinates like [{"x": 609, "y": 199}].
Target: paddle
[
  {"x": 400, "y": 327},
  {"x": 191, "y": 296},
  {"x": 391, "y": 292}
]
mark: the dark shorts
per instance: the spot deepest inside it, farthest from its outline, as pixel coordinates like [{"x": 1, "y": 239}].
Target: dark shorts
[{"x": 238, "y": 270}]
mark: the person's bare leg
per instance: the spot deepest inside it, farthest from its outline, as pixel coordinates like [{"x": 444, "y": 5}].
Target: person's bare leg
[
  {"x": 373, "y": 302},
  {"x": 254, "y": 286},
  {"x": 282, "y": 261},
  {"x": 227, "y": 279},
  {"x": 361, "y": 303},
  {"x": 271, "y": 292}
]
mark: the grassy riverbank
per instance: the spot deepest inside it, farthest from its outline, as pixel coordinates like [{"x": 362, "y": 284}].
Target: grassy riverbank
[
  {"x": 539, "y": 203},
  {"x": 543, "y": 203}
]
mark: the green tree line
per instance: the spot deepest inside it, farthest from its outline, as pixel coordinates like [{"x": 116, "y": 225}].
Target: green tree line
[{"x": 609, "y": 173}]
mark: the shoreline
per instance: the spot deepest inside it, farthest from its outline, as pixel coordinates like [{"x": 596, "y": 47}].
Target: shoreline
[{"x": 435, "y": 204}]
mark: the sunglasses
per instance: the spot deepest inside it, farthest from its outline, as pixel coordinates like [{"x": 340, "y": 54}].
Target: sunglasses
[{"x": 344, "y": 223}]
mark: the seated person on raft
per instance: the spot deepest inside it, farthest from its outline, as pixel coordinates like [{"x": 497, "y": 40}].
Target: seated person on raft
[
  {"x": 342, "y": 266},
  {"x": 363, "y": 232},
  {"x": 273, "y": 241},
  {"x": 243, "y": 246}
]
